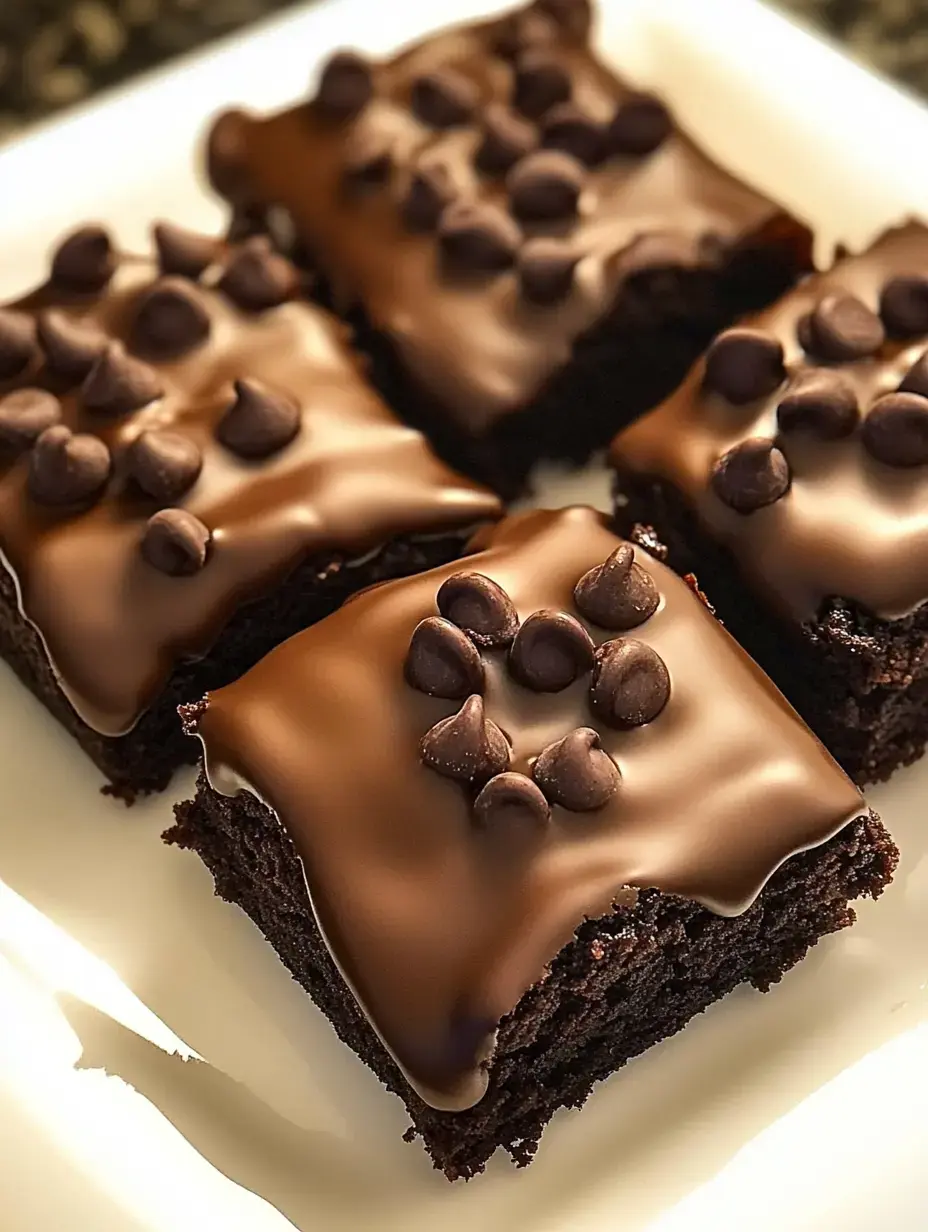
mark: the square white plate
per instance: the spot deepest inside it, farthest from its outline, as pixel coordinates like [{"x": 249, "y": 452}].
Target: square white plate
[{"x": 806, "y": 1109}]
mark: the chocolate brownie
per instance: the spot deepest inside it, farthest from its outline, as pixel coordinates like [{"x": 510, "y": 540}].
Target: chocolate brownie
[
  {"x": 511, "y": 826},
  {"x": 531, "y": 250},
  {"x": 791, "y": 472},
  {"x": 192, "y": 468}
]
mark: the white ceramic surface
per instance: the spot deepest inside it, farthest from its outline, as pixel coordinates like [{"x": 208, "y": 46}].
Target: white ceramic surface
[{"x": 806, "y": 1109}]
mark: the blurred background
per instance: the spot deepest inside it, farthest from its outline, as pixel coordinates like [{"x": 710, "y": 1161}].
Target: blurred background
[{"x": 53, "y": 53}]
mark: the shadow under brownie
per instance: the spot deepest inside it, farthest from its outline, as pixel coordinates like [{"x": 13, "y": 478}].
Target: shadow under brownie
[
  {"x": 192, "y": 468},
  {"x": 790, "y": 472},
  {"x": 531, "y": 251},
  {"x": 494, "y": 906}
]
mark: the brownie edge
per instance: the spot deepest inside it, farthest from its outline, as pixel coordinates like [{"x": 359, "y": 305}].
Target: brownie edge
[
  {"x": 624, "y": 982},
  {"x": 144, "y": 759}
]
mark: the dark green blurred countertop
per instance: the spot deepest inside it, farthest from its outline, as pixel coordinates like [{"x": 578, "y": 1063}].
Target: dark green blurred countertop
[{"x": 55, "y": 52}]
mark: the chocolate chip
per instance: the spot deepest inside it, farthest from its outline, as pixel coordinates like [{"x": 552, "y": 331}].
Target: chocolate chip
[
  {"x": 118, "y": 384},
  {"x": 575, "y": 772},
  {"x": 546, "y": 270},
  {"x": 467, "y": 747},
  {"x": 641, "y": 123},
  {"x": 751, "y": 475},
  {"x": 618, "y": 594},
  {"x": 24, "y": 416},
  {"x": 443, "y": 99},
  {"x": 442, "y": 661},
  {"x": 915, "y": 380},
  {"x": 430, "y": 191},
  {"x": 175, "y": 542},
  {"x": 744, "y": 364},
  {"x": 84, "y": 260},
  {"x": 550, "y": 651},
  {"x": 182, "y": 252},
  {"x": 257, "y": 278},
  {"x": 841, "y": 328},
  {"x": 480, "y": 607},
  {"x": 368, "y": 162},
  {"x": 567, "y": 127},
  {"x": 345, "y": 87},
  {"x": 225, "y": 157},
  {"x": 71, "y": 348},
  {"x": 506, "y": 139},
  {"x": 573, "y": 17},
  {"x": 67, "y": 469},
  {"x": 510, "y": 800},
  {"x": 169, "y": 320},
  {"x": 821, "y": 403},
  {"x": 524, "y": 31},
  {"x": 545, "y": 187},
  {"x": 541, "y": 81},
  {"x": 895, "y": 430},
  {"x": 904, "y": 306},
  {"x": 165, "y": 465},
  {"x": 630, "y": 684},
  {"x": 17, "y": 342},
  {"x": 259, "y": 421},
  {"x": 478, "y": 238}
]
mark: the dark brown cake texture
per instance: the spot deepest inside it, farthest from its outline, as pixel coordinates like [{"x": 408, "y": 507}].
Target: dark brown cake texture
[
  {"x": 531, "y": 251},
  {"x": 192, "y": 468},
  {"x": 511, "y": 826},
  {"x": 790, "y": 471}
]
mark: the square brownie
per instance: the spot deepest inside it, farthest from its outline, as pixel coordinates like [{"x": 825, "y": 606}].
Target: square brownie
[
  {"x": 531, "y": 251},
  {"x": 192, "y": 468},
  {"x": 790, "y": 472},
  {"x": 510, "y": 827}
]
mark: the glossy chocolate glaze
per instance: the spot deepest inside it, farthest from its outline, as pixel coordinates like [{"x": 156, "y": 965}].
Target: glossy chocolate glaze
[
  {"x": 476, "y": 345},
  {"x": 439, "y": 925},
  {"x": 849, "y": 526},
  {"x": 353, "y": 478}
]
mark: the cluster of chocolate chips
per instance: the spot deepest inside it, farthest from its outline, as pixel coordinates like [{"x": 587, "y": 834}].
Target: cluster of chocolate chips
[
  {"x": 743, "y": 365},
  {"x": 550, "y": 650},
  {"x": 542, "y": 141},
  {"x": 59, "y": 356}
]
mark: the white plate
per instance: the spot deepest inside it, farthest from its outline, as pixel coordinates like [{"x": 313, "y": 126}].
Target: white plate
[{"x": 806, "y": 1109}]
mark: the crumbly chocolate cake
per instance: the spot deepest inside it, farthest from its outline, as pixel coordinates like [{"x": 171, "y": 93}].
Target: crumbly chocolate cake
[
  {"x": 790, "y": 471},
  {"x": 531, "y": 251},
  {"x": 511, "y": 826},
  {"x": 192, "y": 468}
]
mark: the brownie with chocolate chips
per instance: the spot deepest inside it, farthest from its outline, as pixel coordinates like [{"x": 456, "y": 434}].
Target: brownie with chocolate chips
[
  {"x": 192, "y": 468},
  {"x": 790, "y": 472},
  {"x": 531, "y": 251},
  {"x": 513, "y": 823}
]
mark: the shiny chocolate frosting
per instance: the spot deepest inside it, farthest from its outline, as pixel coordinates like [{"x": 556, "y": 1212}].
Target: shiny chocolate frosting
[
  {"x": 175, "y": 437},
  {"x": 801, "y": 441},
  {"x": 469, "y": 766},
  {"x": 485, "y": 195}
]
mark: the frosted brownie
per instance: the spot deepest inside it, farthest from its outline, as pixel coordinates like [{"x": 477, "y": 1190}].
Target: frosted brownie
[
  {"x": 531, "y": 250},
  {"x": 511, "y": 826},
  {"x": 192, "y": 467},
  {"x": 790, "y": 471}
]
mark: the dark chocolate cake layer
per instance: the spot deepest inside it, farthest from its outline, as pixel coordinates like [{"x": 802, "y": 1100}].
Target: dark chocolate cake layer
[
  {"x": 533, "y": 251},
  {"x": 626, "y": 981},
  {"x": 181, "y": 440},
  {"x": 790, "y": 472},
  {"x": 491, "y": 793}
]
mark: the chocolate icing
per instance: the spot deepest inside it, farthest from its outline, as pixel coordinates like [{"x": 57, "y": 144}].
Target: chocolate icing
[
  {"x": 441, "y": 913},
  {"x": 116, "y": 617},
  {"x": 659, "y": 187},
  {"x": 851, "y": 525}
]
